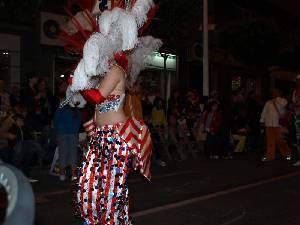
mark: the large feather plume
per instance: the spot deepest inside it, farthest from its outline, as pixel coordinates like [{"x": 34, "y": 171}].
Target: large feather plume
[
  {"x": 118, "y": 32},
  {"x": 146, "y": 46},
  {"x": 118, "y": 22},
  {"x": 140, "y": 10}
]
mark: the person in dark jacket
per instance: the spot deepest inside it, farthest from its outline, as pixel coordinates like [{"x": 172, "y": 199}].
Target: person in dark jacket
[
  {"x": 212, "y": 119},
  {"x": 67, "y": 121}
]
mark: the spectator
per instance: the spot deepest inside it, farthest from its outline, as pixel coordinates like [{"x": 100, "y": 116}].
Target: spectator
[
  {"x": 158, "y": 114},
  {"x": 44, "y": 105},
  {"x": 27, "y": 99},
  {"x": 159, "y": 124},
  {"x": 254, "y": 109},
  {"x": 296, "y": 109},
  {"x": 14, "y": 95},
  {"x": 147, "y": 109},
  {"x": 213, "y": 97},
  {"x": 60, "y": 92},
  {"x": 184, "y": 134},
  {"x": 29, "y": 92},
  {"x": 67, "y": 121},
  {"x": 21, "y": 144},
  {"x": 270, "y": 117},
  {"x": 4, "y": 99},
  {"x": 239, "y": 131},
  {"x": 212, "y": 120},
  {"x": 5, "y": 124},
  {"x": 199, "y": 133}
]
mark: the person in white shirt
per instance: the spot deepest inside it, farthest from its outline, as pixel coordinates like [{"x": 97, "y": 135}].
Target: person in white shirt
[{"x": 273, "y": 110}]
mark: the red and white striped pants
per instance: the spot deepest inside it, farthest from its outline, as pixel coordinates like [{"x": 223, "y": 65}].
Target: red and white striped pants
[{"x": 102, "y": 195}]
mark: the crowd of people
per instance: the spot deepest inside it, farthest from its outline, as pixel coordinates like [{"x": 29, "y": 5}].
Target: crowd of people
[
  {"x": 186, "y": 126},
  {"x": 193, "y": 126},
  {"x": 32, "y": 124}
]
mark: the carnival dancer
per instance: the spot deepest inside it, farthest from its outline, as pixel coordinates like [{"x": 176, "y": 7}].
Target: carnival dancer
[
  {"x": 112, "y": 53},
  {"x": 296, "y": 107}
]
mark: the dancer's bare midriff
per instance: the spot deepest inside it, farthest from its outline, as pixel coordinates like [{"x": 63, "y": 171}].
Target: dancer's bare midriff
[{"x": 110, "y": 118}]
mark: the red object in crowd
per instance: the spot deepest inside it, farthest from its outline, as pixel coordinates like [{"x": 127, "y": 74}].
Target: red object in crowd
[{"x": 215, "y": 124}]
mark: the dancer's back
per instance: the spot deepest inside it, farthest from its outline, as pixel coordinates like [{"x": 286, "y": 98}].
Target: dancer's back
[{"x": 113, "y": 88}]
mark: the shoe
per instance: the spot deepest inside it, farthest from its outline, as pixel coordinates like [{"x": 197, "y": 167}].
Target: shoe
[
  {"x": 62, "y": 177},
  {"x": 216, "y": 157},
  {"x": 161, "y": 163},
  {"x": 288, "y": 158},
  {"x": 265, "y": 159},
  {"x": 32, "y": 180},
  {"x": 297, "y": 163}
]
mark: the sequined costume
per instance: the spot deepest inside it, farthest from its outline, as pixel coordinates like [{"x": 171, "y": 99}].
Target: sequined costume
[
  {"x": 103, "y": 188},
  {"x": 114, "y": 150}
]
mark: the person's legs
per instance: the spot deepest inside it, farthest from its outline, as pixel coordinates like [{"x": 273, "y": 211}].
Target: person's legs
[
  {"x": 213, "y": 146},
  {"x": 37, "y": 150},
  {"x": 23, "y": 157},
  {"x": 27, "y": 156},
  {"x": 297, "y": 129},
  {"x": 282, "y": 143},
  {"x": 240, "y": 147},
  {"x": 62, "y": 142},
  {"x": 209, "y": 146},
  {"x": 103, "y": 196},
  {"x": 72, "y": 152},
  {"x": 270, "y": 133},
  {"x": 6, "y": 154}
]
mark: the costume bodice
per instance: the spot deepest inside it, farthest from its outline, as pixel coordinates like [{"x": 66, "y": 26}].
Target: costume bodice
[{"x": 112, "y": 103}]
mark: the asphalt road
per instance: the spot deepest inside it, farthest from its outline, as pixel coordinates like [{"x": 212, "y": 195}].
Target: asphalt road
[{"x": 242, "y": 191}]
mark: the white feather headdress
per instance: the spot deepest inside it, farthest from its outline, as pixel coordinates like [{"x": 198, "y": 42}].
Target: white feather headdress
[
  {"x": 146, "y": 46},
  {"x": 118, "y": 32}
]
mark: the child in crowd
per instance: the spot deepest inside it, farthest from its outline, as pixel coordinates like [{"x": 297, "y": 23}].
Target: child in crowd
[
  {"x": 184, "y": 134},
  {"x": 159, "y": 132},
  {"x": 173, "y": 134}
]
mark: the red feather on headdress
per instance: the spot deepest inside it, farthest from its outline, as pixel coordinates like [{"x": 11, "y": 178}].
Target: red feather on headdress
[
  {"x": 82, "y": 24},
  {"x": 122, "y": 60},
  {"x": 151, "y": 14}
]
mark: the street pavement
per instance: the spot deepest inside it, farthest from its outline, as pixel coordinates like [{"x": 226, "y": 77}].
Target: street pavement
[{"x": 242, "y": 191}]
